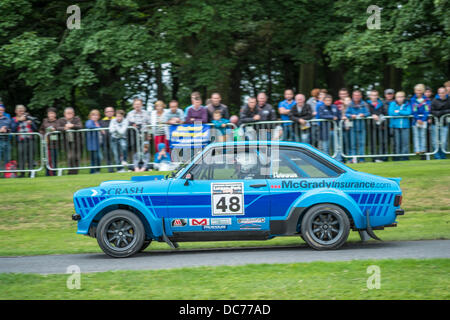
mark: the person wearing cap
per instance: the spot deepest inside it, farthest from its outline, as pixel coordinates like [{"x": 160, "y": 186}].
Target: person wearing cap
[
  {"x": 162, "y": 156},
  {"x": 389, "y": 95}
]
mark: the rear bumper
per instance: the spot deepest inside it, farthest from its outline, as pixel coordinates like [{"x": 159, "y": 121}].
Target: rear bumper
[{"x": 399, "y": 212}]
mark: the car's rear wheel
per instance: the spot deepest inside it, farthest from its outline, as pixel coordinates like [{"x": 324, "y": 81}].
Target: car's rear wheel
[
  {"x": 120, "y": 234},
  {"x": 325, "y": 227}
]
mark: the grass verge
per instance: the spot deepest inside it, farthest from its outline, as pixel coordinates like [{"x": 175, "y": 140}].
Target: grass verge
[{"x": 399, "y": 279}]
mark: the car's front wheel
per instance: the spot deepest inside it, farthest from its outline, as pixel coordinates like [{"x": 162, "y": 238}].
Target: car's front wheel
[
  {"x": 120, "y": 234},
  {"x": 325, "y": 227}
]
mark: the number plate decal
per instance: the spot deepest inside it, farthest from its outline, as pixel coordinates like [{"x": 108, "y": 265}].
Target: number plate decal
[{"x": 227, "y": 198}]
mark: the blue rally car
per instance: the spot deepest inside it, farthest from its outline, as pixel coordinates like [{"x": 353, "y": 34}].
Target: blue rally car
[{"x": 249, "y": 190}]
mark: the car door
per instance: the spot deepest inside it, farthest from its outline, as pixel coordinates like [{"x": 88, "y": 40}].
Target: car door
[
  {"x": 294, "y": 171},
  {"x": 226, "y": 192}
]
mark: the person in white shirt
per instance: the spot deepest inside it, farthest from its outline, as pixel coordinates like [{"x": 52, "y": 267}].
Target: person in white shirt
[{"x": 118, "y": 132}]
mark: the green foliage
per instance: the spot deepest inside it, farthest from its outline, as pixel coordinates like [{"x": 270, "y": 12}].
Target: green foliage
[{"x": 232, "y": 46}]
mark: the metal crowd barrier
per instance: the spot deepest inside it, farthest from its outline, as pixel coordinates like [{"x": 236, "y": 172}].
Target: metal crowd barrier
[
  {"x": 21, "y": 153},
  {"x": 320, "y": 133},
  {"x": 376, "y": 138},
  {"x": 92, "y": 149},
  {"x": 444, "y": 131}
]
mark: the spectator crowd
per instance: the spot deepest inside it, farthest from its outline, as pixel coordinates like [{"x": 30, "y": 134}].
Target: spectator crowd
[{"x": 108, "y": 138}]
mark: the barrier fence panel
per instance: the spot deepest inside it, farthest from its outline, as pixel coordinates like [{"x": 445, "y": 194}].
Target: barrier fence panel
[
  {"x": 92, "y": 149},
  {"x": 320, "y": 133},
  {"x": 20, "y": 153},
  {"x": 388, "y": 136},
  {"x": 444, "y": 139}
]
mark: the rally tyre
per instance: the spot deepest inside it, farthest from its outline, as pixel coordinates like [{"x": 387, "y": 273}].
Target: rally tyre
[
  {"x": 145, "y": 245},
  {"x": 325, "y": 227},
  {"x": 120, "y": 234}
]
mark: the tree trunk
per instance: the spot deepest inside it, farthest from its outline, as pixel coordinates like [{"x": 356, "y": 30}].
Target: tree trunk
[
  {"x": 392, "y": 78},
  {"x": 175, "y": 81},
  {"x": 306, "y": 78},
  {"x": 159, "y": 82},
  {"x": 235, "y": 89}
]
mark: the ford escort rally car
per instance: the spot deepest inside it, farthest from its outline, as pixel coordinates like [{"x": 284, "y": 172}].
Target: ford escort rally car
[{"x": 248, "y": 190}]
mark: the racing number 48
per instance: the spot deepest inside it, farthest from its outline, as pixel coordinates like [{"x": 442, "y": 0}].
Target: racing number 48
[{"x": 234, "y": 204}]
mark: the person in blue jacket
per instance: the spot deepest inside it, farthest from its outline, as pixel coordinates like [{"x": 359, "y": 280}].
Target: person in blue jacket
[
  {"x": 327, "y": 111},
  {"x": 93, "y": 140},
  {"x": 400, "y": 110},
  {"x": 356, "y": 112},
  {"x": 420, "y": 106}
]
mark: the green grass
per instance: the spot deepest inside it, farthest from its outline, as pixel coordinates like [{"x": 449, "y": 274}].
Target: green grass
[
  {"x": 400, "y": 279},
  {"x": 35, "y": 214}
]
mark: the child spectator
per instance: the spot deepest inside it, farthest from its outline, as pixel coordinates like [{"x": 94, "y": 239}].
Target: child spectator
[
  {"x": 284, "y": 108},
  {"x": 220, "y": 124},
  {"x": 327, "y": 111},
  {"x": 23, "y": 123},
  {"x": 400, "y": 109},
  {"x": 421, "y": 106},
  {"x": 300, "y": 114},
  {"x": 237, "y": 132},
  {"x": 158, "y": 124},
  {"x": 5, "y": 147},
  {"x": 162, "y": 157},
  {"x": 49, "y": 125},
  {"x": 118, "y": 127},
  {"x": 357, "y": 111},
  {"x": 93, "y": 139},
  {"x": 429, "y": 93},
  {"x": 140, "y": 165}
]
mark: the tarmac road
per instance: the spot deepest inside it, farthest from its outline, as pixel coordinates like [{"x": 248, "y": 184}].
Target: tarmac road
[{"x": 98, "y": 262}]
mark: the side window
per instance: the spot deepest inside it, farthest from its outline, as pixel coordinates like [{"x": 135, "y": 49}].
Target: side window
[
  {"x": 231, "y": 164},
  {"x": 292, "y": 163}
]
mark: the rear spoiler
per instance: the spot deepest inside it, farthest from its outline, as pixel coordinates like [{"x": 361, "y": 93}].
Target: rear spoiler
[{"x": 397, "y": 180}]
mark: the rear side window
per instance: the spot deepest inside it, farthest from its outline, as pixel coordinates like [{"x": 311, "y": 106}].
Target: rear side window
[{"x": 296, "y": 163}]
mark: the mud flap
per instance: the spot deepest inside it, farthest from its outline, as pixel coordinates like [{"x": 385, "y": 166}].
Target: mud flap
[
  {"x": 369, "y": 230},
  {"x": 166, "y": 239}
]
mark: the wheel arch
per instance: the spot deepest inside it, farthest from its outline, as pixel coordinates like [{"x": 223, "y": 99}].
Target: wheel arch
[
  {"x": 334, "y": 197},
  {"x": 152, "y": 224}
]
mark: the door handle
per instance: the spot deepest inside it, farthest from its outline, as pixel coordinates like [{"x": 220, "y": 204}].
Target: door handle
[{"x": 258, "y": 185}]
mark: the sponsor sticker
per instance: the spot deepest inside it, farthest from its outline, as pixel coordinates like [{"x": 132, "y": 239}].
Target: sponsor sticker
[
  {"x": 220, "y": 221},
  {"x": 250, "y": 226},
  {"x": 179, "y": 222},
  {"x": 199, "y": 222},
  {"x": 251, "y": 220},
  {"x": 227, "y": 198},
  {"x": 214, "y": 227}
]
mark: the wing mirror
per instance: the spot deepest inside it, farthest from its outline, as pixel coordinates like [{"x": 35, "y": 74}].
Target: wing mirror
[{"x": 188, "y": 176}]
